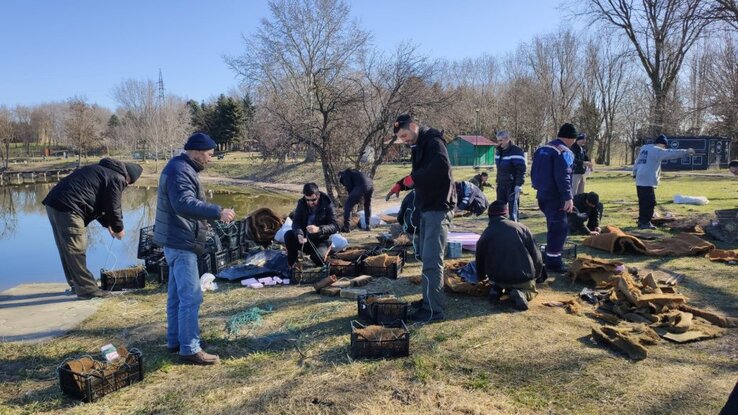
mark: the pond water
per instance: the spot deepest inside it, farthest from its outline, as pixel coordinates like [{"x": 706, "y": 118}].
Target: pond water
[{"x": 27, "y": 250}]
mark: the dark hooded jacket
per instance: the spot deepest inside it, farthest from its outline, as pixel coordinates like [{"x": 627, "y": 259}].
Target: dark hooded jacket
[
  {"x": 507, "y": 253},
  {"x": 181, "y": 209},
  {"x": 354, "y": 179},
  {"x": 92, "y": 192},
  {"x": 325, "y": 218},
  {"x": 434, "y": 184}
]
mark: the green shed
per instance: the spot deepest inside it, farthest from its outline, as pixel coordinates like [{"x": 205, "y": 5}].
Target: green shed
[{"x": 471, "y": 150}]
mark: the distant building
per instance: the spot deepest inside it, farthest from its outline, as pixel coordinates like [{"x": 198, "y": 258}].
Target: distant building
[
  {"x": 471, "y": 150},
  {"x": 710, "y": 151}
]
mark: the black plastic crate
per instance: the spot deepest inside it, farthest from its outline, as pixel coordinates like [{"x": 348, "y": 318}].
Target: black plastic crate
[
  {"x": 569, "y": 251},
  {"x": 391, "y": 271},
  {"x": 219, "y": 261},
  {"x": 397, "y": 346},
  {"x": 108, "y": 378},
  {"x": 388, "y": 314},
  {"x": 350, "y": 270},
  {"x": 309, "y": 275},
  {"x": 164, "y": 274},
  {"x": 205, "y": 264},
  {"x": 154, "y": 262},
  {"x": 123, "y": 279},
  {"x": 146, "y": 246},
  {"x": 235, "y": 254}
]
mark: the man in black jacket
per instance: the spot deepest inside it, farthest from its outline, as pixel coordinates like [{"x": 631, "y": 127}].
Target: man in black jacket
[
  {"x": 314, "y": 222},
  {"x": 480, "y": 180},
  {"x": 508, "y": 255},
  {"x": 581, "y": 164},
  {"x": 585, "y": 218},
  {"x": 435, "y": 198},
  {"x": 358, "y": 185},
  {"x": 510, "y": 161},
  {"x": 89, "y": 193}
]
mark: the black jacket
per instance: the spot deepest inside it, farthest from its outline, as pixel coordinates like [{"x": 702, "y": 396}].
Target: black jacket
[
  {"x": 93, "y": 192},
  {"x": 354, "y": 179},
  {"x": 477, "y": 181},
  {"x": 325, "y": 218},
  {"x": 408, "y": 216},
  {"x": 434, "y": 184},
  {"x": 580, "y": 156},
  {"x": 510, "y": 166},
  {"x": 584, "y": 213},
  {"x": 507, "y": 253}
]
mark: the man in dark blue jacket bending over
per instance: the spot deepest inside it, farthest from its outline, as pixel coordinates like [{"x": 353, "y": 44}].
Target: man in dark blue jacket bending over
[
  {"x": 313, "y": 224},
  {"x": 358, "y": 185},
  {"x": 435, "y": 197},
  {"x": 181, "y": 228},
  {"x": 551, "y": 177}
]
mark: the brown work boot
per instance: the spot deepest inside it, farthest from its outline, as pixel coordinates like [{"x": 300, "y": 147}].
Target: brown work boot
[{"x": 200, "y": 358}]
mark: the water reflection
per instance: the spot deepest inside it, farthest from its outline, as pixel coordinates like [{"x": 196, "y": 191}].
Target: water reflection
[{"x": 27, "y": 250}]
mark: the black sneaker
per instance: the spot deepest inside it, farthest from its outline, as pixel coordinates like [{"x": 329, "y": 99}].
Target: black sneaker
[
  {"x": 368, "y": 228},
  {"x": 95, "y": 294},
  {"x": 648, "y": 225},
  {"x": 425, "y": 316},
  {"x": 519, "y": 300},
  {"x": 345, "y": 229}
]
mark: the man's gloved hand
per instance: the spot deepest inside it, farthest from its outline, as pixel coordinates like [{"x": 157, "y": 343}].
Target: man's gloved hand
[
  {"x": 408, "y": 181},
  {"x": 395, "y": 190},
  {"x": 518, "y": 189},
  {"x": 568, "y": 206}
]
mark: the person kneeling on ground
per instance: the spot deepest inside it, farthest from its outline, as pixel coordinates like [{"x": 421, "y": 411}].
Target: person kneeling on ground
[
  {"x": 508, "y": 256},
  {"x": 587, "y": 208},
  {"x": 314, "y": 222},
  {"x": 470, "y": 198}
]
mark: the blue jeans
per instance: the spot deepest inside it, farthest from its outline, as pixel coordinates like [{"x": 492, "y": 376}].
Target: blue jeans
[{"x": 183, "y": 301}]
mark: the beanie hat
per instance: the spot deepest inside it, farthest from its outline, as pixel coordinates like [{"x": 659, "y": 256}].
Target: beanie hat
[
  {"x": 582, "y": 136},
  {"x": 199, "y": 141},
  {"x": 402, "y": 122},
  {"x": 567, "y": 131},
  {"x": 497, "y": 208},
  {"x": 661, "y": 140},
  {"x": 593, "y": 198},
  {"x": 134, "y": 171}
]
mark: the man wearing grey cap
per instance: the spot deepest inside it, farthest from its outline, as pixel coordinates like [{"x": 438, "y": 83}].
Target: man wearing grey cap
[{"x": 181, "y": 228}]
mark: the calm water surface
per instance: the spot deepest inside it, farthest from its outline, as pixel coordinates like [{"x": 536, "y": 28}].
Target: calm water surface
[{"x": 27, "y": 250}]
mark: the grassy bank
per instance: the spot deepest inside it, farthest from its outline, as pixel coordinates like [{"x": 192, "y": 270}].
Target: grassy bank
[{"x": 484, "y": 359}]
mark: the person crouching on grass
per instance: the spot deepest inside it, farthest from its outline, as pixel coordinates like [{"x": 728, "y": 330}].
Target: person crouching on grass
[
  {"x": 313, "y": 224},
  {"x": 508, "y": 256}
]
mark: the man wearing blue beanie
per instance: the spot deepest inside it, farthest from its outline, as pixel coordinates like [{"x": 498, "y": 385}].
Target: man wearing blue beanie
[
  {"x": 647, "y": 172},
  {"x": 181, "y": 228}
]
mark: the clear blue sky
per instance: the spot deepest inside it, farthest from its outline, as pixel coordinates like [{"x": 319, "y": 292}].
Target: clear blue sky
[{"x": 52, "y": 50}]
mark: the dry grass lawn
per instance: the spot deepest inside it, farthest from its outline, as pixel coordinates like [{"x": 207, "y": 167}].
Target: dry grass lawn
[{"x": 483, "y": 359}]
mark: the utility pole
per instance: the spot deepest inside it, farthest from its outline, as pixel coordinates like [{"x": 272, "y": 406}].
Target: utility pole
[{"x": 476, "y": 141}]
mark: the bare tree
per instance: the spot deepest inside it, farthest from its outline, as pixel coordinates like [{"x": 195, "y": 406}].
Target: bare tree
[
  {"x": 727, "y": 11},
  {"x": 661, "y": 33},
  {"x": 137, "y": 100},
  {"x": 722, "y": 87},
  {"x": 83, "y": 126},
  {"x": 6, "y": 134},
  {"x": 303, "y": 55}
]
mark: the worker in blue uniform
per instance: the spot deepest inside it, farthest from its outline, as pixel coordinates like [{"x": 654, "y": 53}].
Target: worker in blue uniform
[
  {"x": 551, "y": 177},
  {"x": 510, "y": 162}
]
